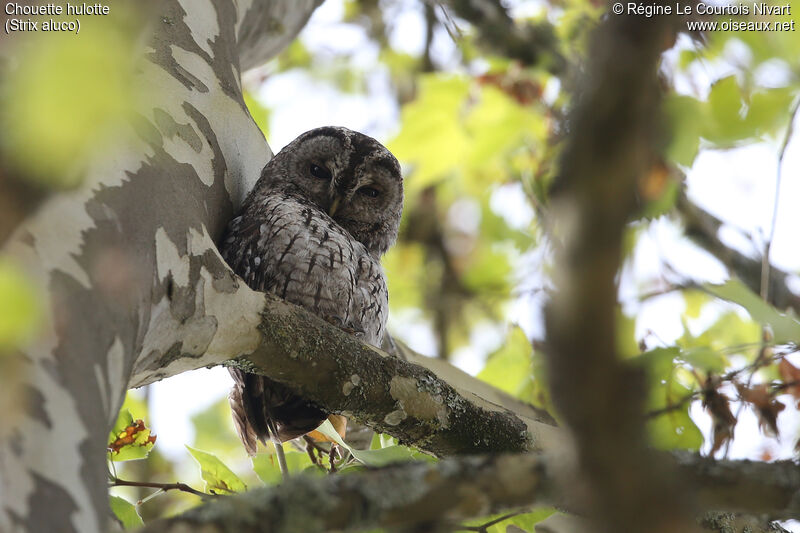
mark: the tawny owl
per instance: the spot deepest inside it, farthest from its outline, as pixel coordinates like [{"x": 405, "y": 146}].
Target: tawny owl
[{"x": 312, "y": 231}]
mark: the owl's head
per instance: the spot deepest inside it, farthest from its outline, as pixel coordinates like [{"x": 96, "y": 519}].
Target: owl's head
[{"x": 348, "y": 175}]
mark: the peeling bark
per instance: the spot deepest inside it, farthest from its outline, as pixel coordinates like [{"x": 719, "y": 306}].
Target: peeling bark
[{"x": 104, "y": 253}]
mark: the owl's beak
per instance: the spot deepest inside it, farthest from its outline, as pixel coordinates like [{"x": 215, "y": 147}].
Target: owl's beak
[{"x": 334, "y": 205}]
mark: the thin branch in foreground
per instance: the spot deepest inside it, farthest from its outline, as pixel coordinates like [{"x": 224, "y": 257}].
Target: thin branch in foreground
[
  {"x": 164, "y": 487},
  {"x": 612, "y": 143}
]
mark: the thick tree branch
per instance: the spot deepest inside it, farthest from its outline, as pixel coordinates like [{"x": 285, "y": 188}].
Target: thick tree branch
[
  {"x": 337, "y": 371},
  {"x": 703, "y": 228},
  {"x": 610, "y": 144},
  {"x": 264, "y": 28},
  {"x": 431, "y": 496},
  {"x": 414, "y": 496}
]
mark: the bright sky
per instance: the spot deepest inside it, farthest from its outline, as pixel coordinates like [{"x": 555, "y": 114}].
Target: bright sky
[{"x": 736, "y": 185}]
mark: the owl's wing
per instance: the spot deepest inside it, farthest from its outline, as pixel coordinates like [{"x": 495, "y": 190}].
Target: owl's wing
[{"x": 241, "y": 251}]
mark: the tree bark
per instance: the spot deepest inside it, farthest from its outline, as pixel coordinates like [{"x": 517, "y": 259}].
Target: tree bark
[
  {"x": 437, "y": 496},
  {"x": 610, "y": 146},
  {"x": 106, "y": 254}
]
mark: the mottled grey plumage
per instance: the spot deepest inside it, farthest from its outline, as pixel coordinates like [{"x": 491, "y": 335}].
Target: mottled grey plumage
[{"x": 285, "y": 242}]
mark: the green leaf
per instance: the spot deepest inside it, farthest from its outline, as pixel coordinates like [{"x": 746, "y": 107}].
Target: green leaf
[
  {"x": 135, "y": 404},
  {"x": 489, "y": 269},
  {"x": 673, "y": 429},
  {"x": 296, "y": 55},
  {"x": 695, "y": 300},
  {"x": 704, "y": 358},
  {"x": 686, "y": 115},
  {"x": 125, "y": 512},
  {"x": 130, "y": 439},
  {"x": 729, "y": 331},
  {"x": 218, "y": 477},
  {"x": 509, "y": 368},
  {"x": 785, "y": 328},
  {"x": 526, "y": 521},
  {"x": 432, "y": 139},
  {"x": 213, "y": 430},
  {"x": 266, "y": 466},
  {"x": 20, "y": 312},
  {"x": 381, "y": 457},
  {"x": 726, "y": 124},
  {"x": 404, "y": 265},
  {"x": 768, "y": 109},
  {"x": 95, "y": 96}
]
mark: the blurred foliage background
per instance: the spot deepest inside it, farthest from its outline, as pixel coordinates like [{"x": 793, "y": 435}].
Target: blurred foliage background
[{"x": 479, "y": 137}]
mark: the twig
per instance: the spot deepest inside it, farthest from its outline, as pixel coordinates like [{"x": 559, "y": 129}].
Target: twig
[
  {"x": 183, "y": 487},
  {"x": 452, "y": 28},
  {"x": 729, "y": 377},
  {"x": 781, "y": 153},
  {"x": 765, "y": 263},
  {"x": 673, "y": 406},
  {"x": 483, "y": 528}
]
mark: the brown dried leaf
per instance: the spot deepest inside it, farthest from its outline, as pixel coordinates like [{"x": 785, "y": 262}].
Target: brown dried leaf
[
  {"x": 339, "y": 424},
  {"x": 765, "y": 406},
  {"x": 718, "y": 406},
  {"x": 790, "y": 375}
]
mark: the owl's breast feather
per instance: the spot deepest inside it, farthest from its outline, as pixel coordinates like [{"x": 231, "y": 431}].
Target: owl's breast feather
[{"x": 293, "y": 249}]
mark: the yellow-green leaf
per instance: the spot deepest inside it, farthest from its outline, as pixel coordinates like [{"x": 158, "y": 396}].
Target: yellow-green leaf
[
  {"x": 125, "y": 512},
  {"x": 785, "y": 327},
  {"x": 218, "y": 477}
]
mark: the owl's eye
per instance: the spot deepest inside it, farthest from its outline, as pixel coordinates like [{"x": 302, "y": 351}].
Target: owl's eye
[
  {"x": 320, "y": 172},
  {"x": 369, "y": 191}
]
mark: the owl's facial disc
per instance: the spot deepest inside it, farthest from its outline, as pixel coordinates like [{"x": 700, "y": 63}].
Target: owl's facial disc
[{"x": 351, "y": 177}]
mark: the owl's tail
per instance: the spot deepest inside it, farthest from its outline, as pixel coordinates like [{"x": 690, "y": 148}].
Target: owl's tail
[
  {"x": 264, "y": 409},
  {"x": 244, "y": 429}
]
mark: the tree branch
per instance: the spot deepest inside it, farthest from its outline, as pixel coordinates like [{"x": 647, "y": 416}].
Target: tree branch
[
  {"x": 435, "y": 496},
  {"x": 703, "y": 228},
  {"x": 183, "y": 487},
  {"x": 610, "y": 145},
  {"x": 265, "y": 28},
  {"x": 529, "y": 44},
  {"x": 340, "y": 373}
]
